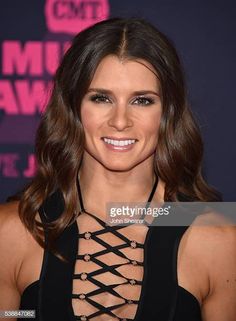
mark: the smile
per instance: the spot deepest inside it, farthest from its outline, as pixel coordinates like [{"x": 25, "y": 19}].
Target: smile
[
  {"x": 119, "y": 145},
  {"x": 119, "y": 142}
]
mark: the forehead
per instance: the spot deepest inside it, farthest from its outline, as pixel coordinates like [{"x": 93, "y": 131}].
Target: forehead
[{"x": 125, "y": 72}]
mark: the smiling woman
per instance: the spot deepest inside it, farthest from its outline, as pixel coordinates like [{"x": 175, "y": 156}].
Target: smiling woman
[
  {"x": 117, "y": 128},
  {"x": 121, "y": 113}
]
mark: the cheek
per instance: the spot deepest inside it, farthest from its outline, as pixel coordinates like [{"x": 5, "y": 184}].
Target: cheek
[
  {"x": 151, "y": 127},
  {"x": 89, "y": 121}
]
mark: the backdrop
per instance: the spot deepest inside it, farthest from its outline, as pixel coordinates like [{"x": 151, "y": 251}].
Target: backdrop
[{"x": 34, "y": 35}]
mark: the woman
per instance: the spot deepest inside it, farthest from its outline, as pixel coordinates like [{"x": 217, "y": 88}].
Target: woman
[{"x": 117, "y": 129}]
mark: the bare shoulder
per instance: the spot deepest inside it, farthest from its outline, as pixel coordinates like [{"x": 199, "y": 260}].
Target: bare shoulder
[
  {"x": 12, "y": 230},
  {"x": 13, "y": 239},
  {"x": 21, "y": 256},
  {"x": 9, "y": 213},
  {"x": 213, "y": 231},
  {"x": 20, "y": 259},
  {"x": 14, "y": 242},
  {"x": 11, "y": 226},
  {"x": 211, "y": 240}
]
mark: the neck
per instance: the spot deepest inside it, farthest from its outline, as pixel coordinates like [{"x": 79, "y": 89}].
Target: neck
[{"x": 100, "y": 185}]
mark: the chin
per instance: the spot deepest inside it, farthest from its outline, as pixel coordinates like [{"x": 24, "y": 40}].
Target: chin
[
  {"x": 118, "y": 165},
  {"x": 115, "y": 164},
  {"x": 118, "y": 168}
]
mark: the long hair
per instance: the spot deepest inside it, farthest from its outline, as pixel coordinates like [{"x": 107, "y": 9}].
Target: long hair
[{"x": 60, "y": 136}]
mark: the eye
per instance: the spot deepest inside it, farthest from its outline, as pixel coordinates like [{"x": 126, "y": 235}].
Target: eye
[
  {"x": 99, "y": 98},
  {"x": 143, "y": 101}
]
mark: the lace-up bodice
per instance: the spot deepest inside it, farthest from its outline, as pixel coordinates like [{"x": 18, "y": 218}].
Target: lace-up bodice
[
  {"x": 108, "y": 275},
  {"x": 107, "y": 269}
]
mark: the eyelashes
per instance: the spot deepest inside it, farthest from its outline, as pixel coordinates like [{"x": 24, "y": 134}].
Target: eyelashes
[
  {"x": 99, "y": 98},
  {"x": 140, "y": 100},
  {"x": 144, "y": 101}
]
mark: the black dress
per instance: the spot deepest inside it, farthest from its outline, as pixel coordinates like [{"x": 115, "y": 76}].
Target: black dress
[{"x": 161, "y": 298}]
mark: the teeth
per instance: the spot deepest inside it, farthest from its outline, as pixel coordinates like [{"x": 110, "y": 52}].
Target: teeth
[{"x": 119, "y": 142}]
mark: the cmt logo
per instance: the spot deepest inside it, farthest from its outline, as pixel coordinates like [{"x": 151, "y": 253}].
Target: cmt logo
[{"x": 72, "y": 16}]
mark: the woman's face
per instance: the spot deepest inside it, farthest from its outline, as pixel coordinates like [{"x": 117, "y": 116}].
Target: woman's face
[{"x": 121, "y": 114}]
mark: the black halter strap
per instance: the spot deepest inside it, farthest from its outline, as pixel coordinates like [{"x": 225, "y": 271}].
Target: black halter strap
[
  {"x": 104, "y": 268},
  {"x": 148, "y": 201}
]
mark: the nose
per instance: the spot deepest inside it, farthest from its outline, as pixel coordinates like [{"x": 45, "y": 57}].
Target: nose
[{"x": 120, "y": 118}]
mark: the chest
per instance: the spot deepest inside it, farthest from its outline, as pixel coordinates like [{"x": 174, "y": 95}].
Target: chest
[
  {"x": 109, "y": 270},
  {"x": 113, "y": 273}
]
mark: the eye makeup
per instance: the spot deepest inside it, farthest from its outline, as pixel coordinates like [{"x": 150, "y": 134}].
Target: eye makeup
[
  {"x": 99, "y": 98},
  {"x": 140, "y": 100},
  {"x": 144, "y": 101}
]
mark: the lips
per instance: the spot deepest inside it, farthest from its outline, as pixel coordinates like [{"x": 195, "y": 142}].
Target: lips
[{"x": 119, "y": 144}]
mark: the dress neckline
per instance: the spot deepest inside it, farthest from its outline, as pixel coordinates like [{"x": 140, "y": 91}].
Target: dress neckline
[
  {"x": 144, "y": 246},
  {"x": 55, "y": 281},
  {"x": 150, "y": 197}
]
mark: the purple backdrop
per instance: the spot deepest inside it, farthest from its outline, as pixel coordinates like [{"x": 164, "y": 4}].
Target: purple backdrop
[{"x": 34, "y": 35}]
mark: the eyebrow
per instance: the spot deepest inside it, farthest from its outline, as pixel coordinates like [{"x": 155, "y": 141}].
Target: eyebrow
[{"x": 139, "y": 92}]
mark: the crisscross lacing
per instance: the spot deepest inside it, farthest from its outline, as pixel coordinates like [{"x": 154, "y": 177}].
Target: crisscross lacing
[{"x": 104, "y": 268}]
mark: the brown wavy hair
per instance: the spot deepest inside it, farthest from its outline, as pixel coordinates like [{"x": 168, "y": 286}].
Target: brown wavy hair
[{"x": 60, "y": 136}]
